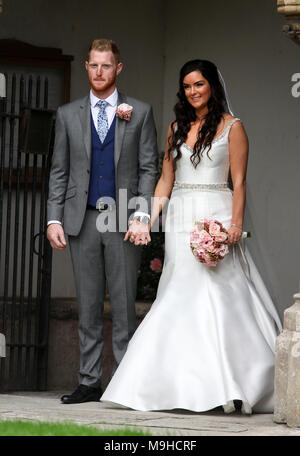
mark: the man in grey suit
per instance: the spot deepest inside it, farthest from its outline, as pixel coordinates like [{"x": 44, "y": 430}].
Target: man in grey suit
[{"x": 103, "y": 170}]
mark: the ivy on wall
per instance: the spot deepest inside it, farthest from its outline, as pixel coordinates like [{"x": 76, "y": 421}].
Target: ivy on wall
[
  {"x": 151, "y": 267},
  {"x": 152, "y": 261}
]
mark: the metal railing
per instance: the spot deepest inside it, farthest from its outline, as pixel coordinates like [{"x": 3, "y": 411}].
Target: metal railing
[{"x": 26, "y": 142}]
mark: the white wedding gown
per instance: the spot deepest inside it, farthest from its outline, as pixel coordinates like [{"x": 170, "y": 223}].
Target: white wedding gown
[{"x": 209, "y": 336}]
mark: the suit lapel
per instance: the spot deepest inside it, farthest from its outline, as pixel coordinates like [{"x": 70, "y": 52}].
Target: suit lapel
[
  {"x": 119, "y": 131},
  {"x": 85, "y": 119}
]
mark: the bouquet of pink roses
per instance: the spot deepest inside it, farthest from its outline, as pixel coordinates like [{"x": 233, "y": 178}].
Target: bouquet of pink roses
[{"x": 208, "y": 241}]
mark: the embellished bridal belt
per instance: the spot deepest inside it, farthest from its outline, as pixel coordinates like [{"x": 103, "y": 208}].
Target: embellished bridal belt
[{"x": 204, "y": 187}]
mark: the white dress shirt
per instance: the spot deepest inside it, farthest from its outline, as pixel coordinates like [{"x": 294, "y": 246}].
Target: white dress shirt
[{"x": 110, "y": 109}]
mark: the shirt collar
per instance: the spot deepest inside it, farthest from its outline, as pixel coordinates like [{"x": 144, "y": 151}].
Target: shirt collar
[{"x": 112, "y": 99}]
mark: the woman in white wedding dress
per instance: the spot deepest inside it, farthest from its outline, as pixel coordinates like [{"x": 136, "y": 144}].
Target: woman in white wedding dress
[{"x": 209, "y": 337}]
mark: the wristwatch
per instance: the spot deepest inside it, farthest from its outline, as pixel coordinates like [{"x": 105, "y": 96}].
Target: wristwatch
[{"x": 142, "y": 218}]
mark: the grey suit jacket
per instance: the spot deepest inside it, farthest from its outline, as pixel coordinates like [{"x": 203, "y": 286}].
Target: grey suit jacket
[{"x": 135, "y": 158}]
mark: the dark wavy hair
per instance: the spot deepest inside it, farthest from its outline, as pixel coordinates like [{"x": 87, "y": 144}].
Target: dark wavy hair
[{"x": 185, "y": 113}]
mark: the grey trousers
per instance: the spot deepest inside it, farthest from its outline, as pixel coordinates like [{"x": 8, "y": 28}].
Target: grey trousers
[{"x": 100, "y": 258}]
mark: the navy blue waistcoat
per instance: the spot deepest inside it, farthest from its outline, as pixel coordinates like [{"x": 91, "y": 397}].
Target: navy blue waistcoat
[{"x": 102, "y": 177}]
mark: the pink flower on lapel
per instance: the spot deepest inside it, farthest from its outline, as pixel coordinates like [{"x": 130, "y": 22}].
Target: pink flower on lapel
[{"x": 124, "y": 111}]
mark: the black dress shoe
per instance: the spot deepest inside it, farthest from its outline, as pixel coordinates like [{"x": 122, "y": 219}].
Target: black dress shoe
[{"x": 82, "y": 393}]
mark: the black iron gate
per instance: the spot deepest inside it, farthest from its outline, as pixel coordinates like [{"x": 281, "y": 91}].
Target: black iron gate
[{"x": 26, "y": 138}]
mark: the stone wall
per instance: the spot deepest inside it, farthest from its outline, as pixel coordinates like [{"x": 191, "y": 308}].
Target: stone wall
[
  {"x": 63, "y": 354},
  {"x": 245, "y": 39},
  {"x": 137, "y": 26}
]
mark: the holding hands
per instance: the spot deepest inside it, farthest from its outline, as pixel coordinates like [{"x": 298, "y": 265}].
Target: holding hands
[{"x": 138, "y": 233}]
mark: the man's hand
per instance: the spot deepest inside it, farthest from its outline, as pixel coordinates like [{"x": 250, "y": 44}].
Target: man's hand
[
  {"x": 138, "y": 233},
  {"x": 56, "y": 236}
]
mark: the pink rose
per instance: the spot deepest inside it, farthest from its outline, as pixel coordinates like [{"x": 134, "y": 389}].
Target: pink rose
[
  {"x": 208, "y": 241},
  {"x": 207, "y": 244},
  {"x": 194, "y": 236},
  {"x": 124, "y": 111},
  {"x": 204, "y": 235},
  {"x": 214, "y": 228},
  {"x": 209, "y": 261},
  {"x": 213, "y": 249},
  {"x": 223, "y": 250},
  {"x": 221, "y": 237},
  {"x": 156, "y": 265}
]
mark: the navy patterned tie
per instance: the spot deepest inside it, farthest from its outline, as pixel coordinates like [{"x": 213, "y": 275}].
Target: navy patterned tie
[{"x": 102, "y": 120}]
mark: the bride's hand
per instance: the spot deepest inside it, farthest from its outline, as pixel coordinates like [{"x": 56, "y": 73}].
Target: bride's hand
[
  {"x": 138, "y": 233},
  {"x": 234, "y": 234}
]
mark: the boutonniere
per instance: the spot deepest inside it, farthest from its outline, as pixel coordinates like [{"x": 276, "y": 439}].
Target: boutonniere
[{"x": 124, "y": 111}]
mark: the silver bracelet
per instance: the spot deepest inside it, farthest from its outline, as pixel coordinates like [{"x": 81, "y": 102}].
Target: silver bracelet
[{"x": 237, "y": 226}]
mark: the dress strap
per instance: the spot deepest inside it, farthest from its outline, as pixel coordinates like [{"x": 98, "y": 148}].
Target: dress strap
[
  {"x": 232, "y": 122},
  {"x": 226, "y": 130}
]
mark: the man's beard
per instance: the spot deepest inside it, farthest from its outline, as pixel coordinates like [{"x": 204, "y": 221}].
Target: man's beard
[{"x": 104, "y": 86}]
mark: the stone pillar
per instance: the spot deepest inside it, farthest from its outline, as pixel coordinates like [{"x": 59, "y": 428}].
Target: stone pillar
[
  {"x": 291, "y": 10},
  {"x": 287, "y": 368}
]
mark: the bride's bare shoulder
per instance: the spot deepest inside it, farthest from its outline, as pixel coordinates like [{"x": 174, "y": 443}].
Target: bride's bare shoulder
[{"x": 227, "y": 118}]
